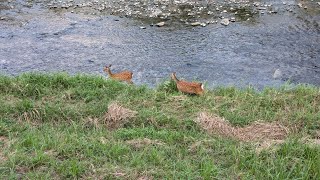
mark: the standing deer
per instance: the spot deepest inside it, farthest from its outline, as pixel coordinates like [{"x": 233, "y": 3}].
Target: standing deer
[{"x": 121, "y": 76}]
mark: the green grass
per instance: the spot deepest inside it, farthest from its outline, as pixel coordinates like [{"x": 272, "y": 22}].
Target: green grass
[{"x": 44, "y": 131}]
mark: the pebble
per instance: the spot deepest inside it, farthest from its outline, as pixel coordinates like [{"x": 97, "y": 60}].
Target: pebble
[
  {"x": 262, "y": 8},
  {"x": 300, "y": 5},
  {"x": 203, "y": 24},
  {"x": 142, "y": 27},
  {"x": 277, "y": 74},
  {"x": 160, "y": 24},
  {"x": 233, "y": 19},
  {"x": 225, "y": 22},
  {"x": 195, "y": 24}
]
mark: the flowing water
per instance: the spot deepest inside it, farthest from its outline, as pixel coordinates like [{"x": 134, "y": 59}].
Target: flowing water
[{"x": 83, "y": 36}]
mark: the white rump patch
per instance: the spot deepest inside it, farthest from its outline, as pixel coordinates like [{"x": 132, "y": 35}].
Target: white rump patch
[{"x": 202, "y": 86}]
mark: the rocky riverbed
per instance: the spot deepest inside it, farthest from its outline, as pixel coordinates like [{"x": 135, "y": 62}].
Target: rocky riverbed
[{"x": 231, "y": 42}]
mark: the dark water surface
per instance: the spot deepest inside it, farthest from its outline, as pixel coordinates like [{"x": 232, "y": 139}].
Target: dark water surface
[{"x": 42, "y": 38}]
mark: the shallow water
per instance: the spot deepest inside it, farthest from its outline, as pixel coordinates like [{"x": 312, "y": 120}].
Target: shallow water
[{"x": 37, "y": 37}]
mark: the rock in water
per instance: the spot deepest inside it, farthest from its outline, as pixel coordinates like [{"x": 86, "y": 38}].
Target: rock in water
[
  {"x": 160, "y": 24},
  {"x": 195, "y": 24},
  {"x": 225, "y": 21},
  {"x": 203, "y": 24},
  {"x": 277, "y": 74}
]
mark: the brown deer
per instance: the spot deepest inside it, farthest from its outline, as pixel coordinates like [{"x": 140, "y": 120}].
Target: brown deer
[
  {"x": 188, "y": 87},
  {"x": 121, "y": 76}
]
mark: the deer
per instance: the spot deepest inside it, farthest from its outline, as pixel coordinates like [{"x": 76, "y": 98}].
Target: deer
[
  {"x": 188, "y": 87},
  {"x": 121, "y": 76}
]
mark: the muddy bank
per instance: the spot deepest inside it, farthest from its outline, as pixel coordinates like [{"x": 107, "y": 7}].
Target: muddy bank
[{"x": 81, "y": 38}]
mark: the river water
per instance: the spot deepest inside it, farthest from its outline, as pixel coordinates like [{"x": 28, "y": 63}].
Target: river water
[{"x": 83, "y": 36}]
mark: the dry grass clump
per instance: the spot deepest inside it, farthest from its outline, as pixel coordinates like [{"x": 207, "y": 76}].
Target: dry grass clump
[
  {"x": 216, "y": 125},
  {"x": 32, "y": 117},
  {"x": 138, "y": 143},
  {"x": 117, "y": 116},
  {"x": 254, "y": 132},
  {"x": 262, "y": 131}
]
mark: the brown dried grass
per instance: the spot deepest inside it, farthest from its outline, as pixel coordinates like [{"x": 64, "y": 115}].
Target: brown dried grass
[
  {"x": 5, "y": 141},
  {"x": 32, "y": 117},
  {"x": 262, "y": 131},
  {"x": 117, "y": 116},
  {"x": 309, "y": 140},
  {"x": 315, "y": 142},
  {"x": 255, "y": 132}
]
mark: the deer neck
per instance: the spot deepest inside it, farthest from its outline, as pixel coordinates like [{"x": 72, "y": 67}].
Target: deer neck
[
  {"x": 109, "y": 72},
  {"x": 174, "y": 77}
]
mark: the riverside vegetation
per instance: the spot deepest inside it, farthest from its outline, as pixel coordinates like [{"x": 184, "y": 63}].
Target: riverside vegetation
[{"x": 61, "y": 126}]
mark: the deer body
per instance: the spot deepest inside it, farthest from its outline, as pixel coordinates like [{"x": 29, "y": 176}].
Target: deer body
[
  {"x": 188, "y": 87},
  {"x": 121, "y": 76}
]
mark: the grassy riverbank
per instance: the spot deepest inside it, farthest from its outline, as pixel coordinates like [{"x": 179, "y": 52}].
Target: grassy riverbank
[{"x": 54, "y": 126}]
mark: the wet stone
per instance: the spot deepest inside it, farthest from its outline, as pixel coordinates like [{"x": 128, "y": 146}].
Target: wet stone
[
  {"x": 160, "y": 24},
  {"x": 195, "y": 24},
  {"x": 203, "y": 24},
  {"x": 277, "y": 74},
  {"x": 225, "y": 22},
  {"x": 262, "y": 8}
]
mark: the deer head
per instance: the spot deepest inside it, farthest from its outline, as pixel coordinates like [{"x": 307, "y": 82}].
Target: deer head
[{"x": 107, "y": 68}]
